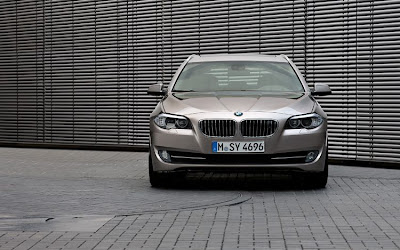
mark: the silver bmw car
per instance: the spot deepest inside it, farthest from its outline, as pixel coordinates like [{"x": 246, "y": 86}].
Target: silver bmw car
[{"x": 238, "y": 113}]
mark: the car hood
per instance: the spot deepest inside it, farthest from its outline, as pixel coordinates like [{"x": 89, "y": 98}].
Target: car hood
[{"x": 191, "y": 103}]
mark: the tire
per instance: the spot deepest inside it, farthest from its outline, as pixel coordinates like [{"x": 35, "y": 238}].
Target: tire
[
  {"x": 319, "y": 180},
  {"x": 156, "y": 179}
]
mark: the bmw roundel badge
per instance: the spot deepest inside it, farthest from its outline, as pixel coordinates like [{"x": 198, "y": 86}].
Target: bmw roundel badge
[{"x": 238, "y": 113}]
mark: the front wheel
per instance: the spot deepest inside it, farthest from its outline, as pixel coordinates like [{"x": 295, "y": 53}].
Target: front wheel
[
  {"x": 156, "y": 179},
  {"x": 319, "y": 180}
]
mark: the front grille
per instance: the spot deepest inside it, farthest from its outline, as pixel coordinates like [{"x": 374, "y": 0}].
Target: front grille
[
  {"x": 256, "y": 128},
  {"x": 220, "y": 128}
]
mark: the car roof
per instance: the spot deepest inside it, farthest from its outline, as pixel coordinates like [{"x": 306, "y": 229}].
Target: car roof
[{"x": 237, "y": 57}]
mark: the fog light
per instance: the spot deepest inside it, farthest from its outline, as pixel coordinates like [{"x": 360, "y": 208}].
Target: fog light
[
  {"x": 164, "y": 155},
  {"x": 311, "y": 156}
]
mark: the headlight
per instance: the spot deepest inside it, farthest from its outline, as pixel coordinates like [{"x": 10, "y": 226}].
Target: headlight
[
  {"x": 308, "y": 121},
  {"x": 172, "y": 121}
]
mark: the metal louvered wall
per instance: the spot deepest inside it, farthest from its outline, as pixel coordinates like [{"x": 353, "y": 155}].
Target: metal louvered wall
[{"x": 76, "y": 72}]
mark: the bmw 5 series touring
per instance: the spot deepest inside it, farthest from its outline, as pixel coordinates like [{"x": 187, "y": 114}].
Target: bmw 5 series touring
[{"x": 238, "y": 112}]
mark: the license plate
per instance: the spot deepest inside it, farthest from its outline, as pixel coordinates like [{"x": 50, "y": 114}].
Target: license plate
[{"x": 232, "y": 147}]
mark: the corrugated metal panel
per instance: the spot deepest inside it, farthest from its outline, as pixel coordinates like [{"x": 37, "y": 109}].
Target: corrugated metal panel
[
  {"x": 88, "y": 65},
  {"x": 21, "y": 71},
  {"x": 76, "y": 72},
  {"x": 353, "y": 46}
]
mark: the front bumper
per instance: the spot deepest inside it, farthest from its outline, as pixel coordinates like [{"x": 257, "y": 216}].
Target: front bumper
[{"x": 191, "y": 150}]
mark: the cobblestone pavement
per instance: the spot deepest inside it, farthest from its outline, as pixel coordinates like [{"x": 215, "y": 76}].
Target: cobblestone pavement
[{"x": 71, "y": 199}]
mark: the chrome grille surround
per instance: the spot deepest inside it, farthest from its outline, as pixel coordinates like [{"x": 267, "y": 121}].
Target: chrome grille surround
[
  {"x": 218, "y": 127},
  {"x": 258, "y": 128}
]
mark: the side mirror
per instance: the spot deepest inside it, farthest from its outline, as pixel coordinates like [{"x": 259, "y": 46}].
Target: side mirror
[
  {"x": 321, "y": 90},
  {"x": 156, "y": 89}
]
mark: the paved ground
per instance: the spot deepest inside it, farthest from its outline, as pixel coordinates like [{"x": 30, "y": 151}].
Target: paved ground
[{"x": 69, "y": 199}]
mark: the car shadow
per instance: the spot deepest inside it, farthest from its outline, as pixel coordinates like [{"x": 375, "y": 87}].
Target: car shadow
[{"x": 238, "y": 181}]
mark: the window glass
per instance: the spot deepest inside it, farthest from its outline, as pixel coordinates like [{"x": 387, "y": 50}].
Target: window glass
[{"x": 238, "y": 76}]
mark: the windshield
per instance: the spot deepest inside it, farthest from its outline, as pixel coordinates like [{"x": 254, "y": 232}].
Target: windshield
[{"x": 238, "y": 76}]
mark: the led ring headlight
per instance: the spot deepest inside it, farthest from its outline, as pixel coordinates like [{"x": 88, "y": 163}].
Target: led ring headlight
[
  {"x": 168, "y": 121},
  {"x": 308, "y": 121}
]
